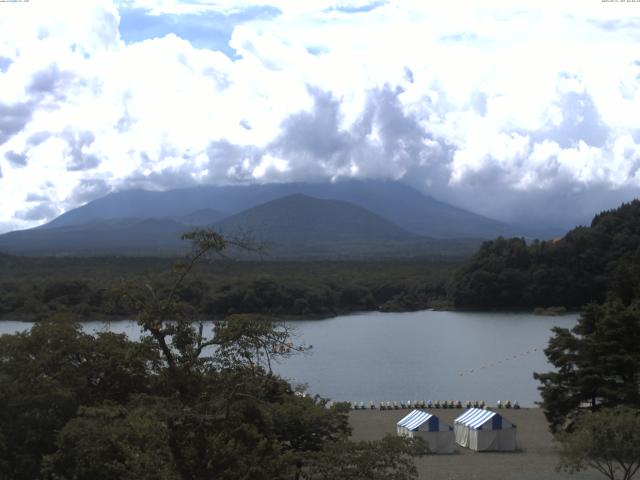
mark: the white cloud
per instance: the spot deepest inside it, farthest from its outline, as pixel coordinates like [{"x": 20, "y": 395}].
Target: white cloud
[{"x": 472, "y": 102}]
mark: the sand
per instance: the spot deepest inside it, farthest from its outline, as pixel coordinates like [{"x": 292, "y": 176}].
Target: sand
[{"x": 535, "y": 458}]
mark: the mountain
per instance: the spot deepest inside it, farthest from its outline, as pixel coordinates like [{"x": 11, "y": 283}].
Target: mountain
[
  {"x": 300, "y": 219},
  {"x": 200, "y": 218},
  {"x": 302, "y": 227},
  {"x": 395, "y": 201},
  {"x": 129, "y": 236},
  {"x": 294, "y": 227}
]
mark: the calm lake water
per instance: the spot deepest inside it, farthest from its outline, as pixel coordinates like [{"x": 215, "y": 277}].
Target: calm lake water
[{"x": 411, "y": 356}]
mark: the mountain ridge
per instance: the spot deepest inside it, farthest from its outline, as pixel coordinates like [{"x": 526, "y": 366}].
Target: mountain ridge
[
  {"x": 395, "y": 201},
  {"x": 295, "y": 226}
]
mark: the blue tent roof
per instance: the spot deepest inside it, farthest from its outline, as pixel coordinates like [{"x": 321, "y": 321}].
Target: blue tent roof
[
  {"x": 475, "y": 418},
  {"x": 417, "y": 418}
]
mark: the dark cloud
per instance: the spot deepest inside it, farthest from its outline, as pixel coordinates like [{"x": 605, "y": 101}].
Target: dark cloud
[
  {"x": 408, "y": 74},
  {"x": 384, "y": 142},
  {"x": 361, "y": 9},
  {"x": 16, "y": 159},
  {"x": 77, "y": 142},
  {"x": 166, "y": 179},
  {"x": 5, "y": 63},
  {"x": 43, "y": 211},
  {"x": 317, "y": 50},
  {"x": 231, "y": 163},
  {"x": 316, "y": 133},
  {"x": 89, "y": 189},
  {"x": 38, "y": 138},
  {"x": 13, "y": 119},
  {"x": 51, "y": 80},
  {"x": 210, "y": 30},
  {"x": 37, "y": 197},
  {"x": 581, "y": 121},
  {"x": 617, "y": 25},
  {"x": 401, "y": 134}
]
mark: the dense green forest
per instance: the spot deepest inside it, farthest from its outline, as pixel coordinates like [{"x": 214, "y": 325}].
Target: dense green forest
[
  {"x": 587, "y": 265},
  {"x": 33, "y": 288}
]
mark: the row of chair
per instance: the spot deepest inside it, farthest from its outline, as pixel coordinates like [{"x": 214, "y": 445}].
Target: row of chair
[{"x": 412, "y": 404}]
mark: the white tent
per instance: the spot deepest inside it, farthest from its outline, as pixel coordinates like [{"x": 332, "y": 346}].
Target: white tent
[
  {"x": 484, "y": 430},
  {"x": 422, "y": 424}
]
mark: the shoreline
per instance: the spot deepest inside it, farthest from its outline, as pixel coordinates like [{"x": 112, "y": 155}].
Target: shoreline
[{"x": 535, "y": 458}]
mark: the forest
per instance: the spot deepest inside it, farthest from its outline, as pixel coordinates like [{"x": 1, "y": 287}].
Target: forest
[
  {"x": 589, "y": 264},
  {"x": 34, "y": 288}
]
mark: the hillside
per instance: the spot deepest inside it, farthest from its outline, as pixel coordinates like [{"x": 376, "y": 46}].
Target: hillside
[
  {"x": 129, "y": 236},
  {"x": 395, "y": 201},
  {"x": 586, "y": 265},
  {"x": 300, "y": 219},
  {"x": 299, "y": 226},
  {"x": 294, "y": 227}
]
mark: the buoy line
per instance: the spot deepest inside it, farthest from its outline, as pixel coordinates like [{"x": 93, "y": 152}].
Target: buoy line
[{"x": 500, "y": 362}]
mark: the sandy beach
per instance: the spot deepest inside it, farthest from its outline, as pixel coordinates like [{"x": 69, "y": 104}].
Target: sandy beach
[{"x": 535, "y": 458}]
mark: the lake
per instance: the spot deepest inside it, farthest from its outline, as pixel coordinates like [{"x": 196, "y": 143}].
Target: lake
[{"x": 411, "y": 356}]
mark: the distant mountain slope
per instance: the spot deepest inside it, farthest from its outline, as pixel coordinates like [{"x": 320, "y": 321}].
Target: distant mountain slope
[
  {"x": 299, "y": 219},
  {"x": 302, "y": 227},
  {"x": 122, "y": 237},
  {"x": 395, "y": 201},
  {"x": 200, "y": 218},
  {"x": 294, "y": 227}
]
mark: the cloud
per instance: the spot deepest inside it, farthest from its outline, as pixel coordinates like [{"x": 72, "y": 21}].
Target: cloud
[
  {"x": 364, "y": 8},
  {"x": 89, "y": 189},
  {"x": 36, "y": 197},
  {"x": 37, "y": 138},
  {"x": 16, "y": 159},
  {"x": 13, "y": 118},
  {"x": 43, "y": 211},
  {"x": 5, "y": 63},
  {"x": 50, "y": 80},
  {"x": 498, "y": 109},
  {"x": 79, "y": 144}
]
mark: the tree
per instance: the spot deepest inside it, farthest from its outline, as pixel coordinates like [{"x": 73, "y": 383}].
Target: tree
[
  {"x": 181, "y": 403},
  {"x": 133, "y": 440},
  {"x": 607, "y": 440},
  {"x": 47, "y": 373},
  {"x": 388, "y": 459},
  {"x": 597, "y": 364}
]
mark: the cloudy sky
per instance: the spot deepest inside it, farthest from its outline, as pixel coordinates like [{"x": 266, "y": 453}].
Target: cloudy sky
[{"x": 519, "y": 110}]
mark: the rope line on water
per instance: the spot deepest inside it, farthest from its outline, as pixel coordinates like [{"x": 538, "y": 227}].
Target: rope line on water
[{"x": 509, "y": 358}]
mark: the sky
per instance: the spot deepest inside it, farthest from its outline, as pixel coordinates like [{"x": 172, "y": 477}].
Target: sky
[{"x": 523, "y": 111}]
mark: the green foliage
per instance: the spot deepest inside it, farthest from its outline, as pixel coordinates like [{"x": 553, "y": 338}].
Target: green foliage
[
  {"x": 583, "y": 267},
  {"x": 597, "y": 363},
  {"x": 389, "y": 459},
  {"x": 37, "y": 288},
  {"x": 182, "y": 403},
  {"x": 50, "y": 371},
  {"x": 607, "y": 440},
  {"x": 110, "y": 441}
]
